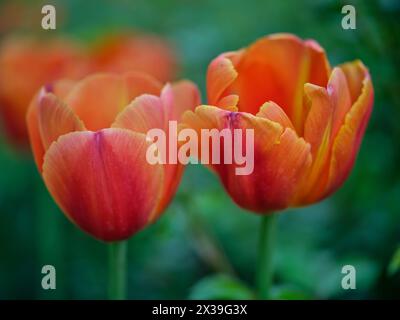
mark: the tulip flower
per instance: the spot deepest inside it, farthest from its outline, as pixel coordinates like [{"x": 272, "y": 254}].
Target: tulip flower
[
  {"x": 308, "y": 121},
  {"x": 138, "y": 52},
  {"x": 26, "y": 64},
  {"x": 89, "y": 142}
]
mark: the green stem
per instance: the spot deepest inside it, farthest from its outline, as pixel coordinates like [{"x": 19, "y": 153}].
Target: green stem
[
  {"x": 265, "y": 249},
  {"x": 50, "y": 243},
  {"x": 117, "y": 270}
]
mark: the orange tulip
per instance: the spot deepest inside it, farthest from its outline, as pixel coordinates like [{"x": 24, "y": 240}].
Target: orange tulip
[
  {"x": 144, "y": 53},
  {"x": 89, "y": 142},
  {"x": 308, "y": 119},
  {"x": 26, "y": 64}
]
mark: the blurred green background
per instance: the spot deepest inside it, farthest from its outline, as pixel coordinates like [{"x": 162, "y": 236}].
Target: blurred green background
[{"x": 204, "y": 246}]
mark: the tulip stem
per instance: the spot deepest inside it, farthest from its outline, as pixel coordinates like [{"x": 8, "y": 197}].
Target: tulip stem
[
  {"x": 265, "y": 250},
  {"x": 117, "y": 270}
]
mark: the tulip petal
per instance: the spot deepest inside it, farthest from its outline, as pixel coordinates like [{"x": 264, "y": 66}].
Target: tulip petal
[
  {"x": 139, "y": 83},
  {"x": 34, "y": 133},
  {"x": 317, "y": 132},
  {"x": 99, "y": 98},
  {"x": 355, "y": 73},
  {"x": 281, "y": 159},
  {"x": 186, "y": 96},
  {"x": 48, "y": 118},
  {"x": 102, "y": 181},
  {"x": 143, "y": 113},
  {"x": 148, "y": 112},
  {"x": 275, "y": 68},
  {"x": 273, "y": 112},
  {"x": 55, "y": 119},
  {"x": 229, "y": 102},
  {"x": 221, "y": 74},
  {"x": 328, "y": 108},
  {"x": 347, "y": 143},
  {"x": 26, "y": 64},
  {"x": 144, "y": 53},
  {"x": 321, "y": 69},
  {"x": 339, "y": 95},
  {"x": 318, "y": 124}
]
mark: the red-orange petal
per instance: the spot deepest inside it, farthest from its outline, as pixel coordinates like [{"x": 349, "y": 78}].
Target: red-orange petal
[
  {"x": 229, "y": 102},
  {"x": 44, "y": 123},
  {"x": 339, "y": 94},
  {"x": 328, "y": 108},
  {"x": 317, "y": 132},
  {"x": 347, "y": 142},
  {"x": 148, "y": 112},
  {"x": 142, "y": 114},
  {"x": 26, "y": 64},
  {"x": 55, "y": 119},
  {"x": 143, "y": 53},
  {"x": 275, "y": 68},
  {"x": 281, "y": 159},
  {"x": 99, "y": 98},
  {"x": 270, "y": 110},
  {"x": 102, "y": 181},
  {"x": 186, "y": 96},
  {"x": 221, "y": 74},
  {"x": 138, "y": 83},
  {"x": 318, "y": 124}
]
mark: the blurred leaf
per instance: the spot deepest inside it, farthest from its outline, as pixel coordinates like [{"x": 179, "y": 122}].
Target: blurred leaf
[
  {"x": 394, "y": 265},
  {"x": 287, "y": 292},
  {"x": 221, "y": 287}
]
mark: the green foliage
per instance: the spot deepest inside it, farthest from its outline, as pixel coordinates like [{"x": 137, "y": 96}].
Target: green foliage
[
  {"x": 221, "y": 287},
  {"x": 289, "y": 292},
  {"x": 394, "y": 265}
]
